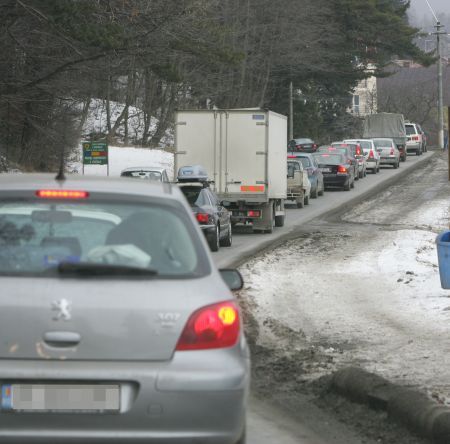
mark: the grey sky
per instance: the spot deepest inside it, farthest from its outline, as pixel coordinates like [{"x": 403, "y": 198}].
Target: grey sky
[{"x": 420, "y": 6}]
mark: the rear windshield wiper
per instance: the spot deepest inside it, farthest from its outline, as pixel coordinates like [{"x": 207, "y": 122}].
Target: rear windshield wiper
[{"x": 93, "y": 269}]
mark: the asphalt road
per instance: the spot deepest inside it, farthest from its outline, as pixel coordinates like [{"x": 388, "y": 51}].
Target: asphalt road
[{"x": 267, "y": 424}]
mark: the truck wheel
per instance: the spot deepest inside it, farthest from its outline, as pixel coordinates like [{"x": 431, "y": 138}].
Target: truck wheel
[
  {"x": 279, "y": 221},
  {"x": 306, "y": 200},
  {"x": 214, "y": 240},
  {"x": 301, "y": 201},
  {"x": 229, "y": 239}
]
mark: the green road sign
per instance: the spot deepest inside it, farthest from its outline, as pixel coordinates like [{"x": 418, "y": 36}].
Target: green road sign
[{"x": 95, "y": 153}]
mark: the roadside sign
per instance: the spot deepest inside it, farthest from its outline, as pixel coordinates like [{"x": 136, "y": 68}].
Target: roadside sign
[{"x": 95, "y": 153}]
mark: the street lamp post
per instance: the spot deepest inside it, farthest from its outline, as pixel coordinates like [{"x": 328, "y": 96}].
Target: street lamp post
[{"x": 439, "y": 32}]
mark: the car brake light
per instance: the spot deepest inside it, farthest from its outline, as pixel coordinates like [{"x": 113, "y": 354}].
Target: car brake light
[
  {"x": 415, "y": 138},
  {"x": 342, "y": 169},
  {"x": 203, "y": 218},
  {"x": 292, "y": 157},
  {"x": 392, "y": 151},
  {"x": 358, "y": 151},
  {"x": 62, "y": 194},
  {"x": 299, "y": 147},
  {"x": 213, "y": 326},
  {"x": 371, "y": 156},
  {"x": 253, "y": 213}
]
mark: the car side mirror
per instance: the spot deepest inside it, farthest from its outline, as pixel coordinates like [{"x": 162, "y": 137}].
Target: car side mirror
[{"x": 232, "y": 278}]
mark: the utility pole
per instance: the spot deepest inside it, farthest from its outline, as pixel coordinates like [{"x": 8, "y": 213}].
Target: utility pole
[
  {"x": 291, "y": 111},
  {"x": 439, "y": 32}
]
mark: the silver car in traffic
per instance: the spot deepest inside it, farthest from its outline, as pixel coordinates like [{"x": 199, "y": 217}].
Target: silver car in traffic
[
  {"x": 388, "y": 151},
  {"x": 116, "y": 326}
]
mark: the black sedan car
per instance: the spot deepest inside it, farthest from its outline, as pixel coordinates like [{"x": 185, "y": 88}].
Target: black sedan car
[
  {"x": 303, "y": 144},
  {"x": 346, "y": 150},
  {"x": 213, "y": 217},
  {"x": 337, "y": 170}
]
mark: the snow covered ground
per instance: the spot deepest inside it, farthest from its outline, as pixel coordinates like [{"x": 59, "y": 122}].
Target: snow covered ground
[
  {"x": 125, "y": 157},
  {"x": 96, "y": 122},
  {"x": 362, "y": 293}
]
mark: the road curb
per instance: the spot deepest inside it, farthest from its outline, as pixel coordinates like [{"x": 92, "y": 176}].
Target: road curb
[{"x": 409, "y": 407}]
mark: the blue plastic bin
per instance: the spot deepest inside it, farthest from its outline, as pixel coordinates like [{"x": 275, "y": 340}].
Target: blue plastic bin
[{"x": 443, "y": 250}]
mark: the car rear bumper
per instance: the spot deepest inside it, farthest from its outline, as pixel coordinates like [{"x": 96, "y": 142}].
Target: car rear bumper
[
  {"x": 335, "y": 181},
  {"x": 389, "y": 161},
  {"x": 189, "y": 399},
  {"x": 412, "y": 147}
]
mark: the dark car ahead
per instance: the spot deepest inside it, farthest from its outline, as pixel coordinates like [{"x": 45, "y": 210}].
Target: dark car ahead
[
  {"x": 213, "y": 217},
  {"x": 336, "y": 169},
  {"x": 358, "y": 154},
  {"x": 349, "y": 151},
  {"x": 303, "y": 144},
  {"x": 314, "y": 173}
]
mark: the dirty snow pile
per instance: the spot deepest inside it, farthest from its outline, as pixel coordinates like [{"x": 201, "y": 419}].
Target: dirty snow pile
[{"x": 362, "y": 295}]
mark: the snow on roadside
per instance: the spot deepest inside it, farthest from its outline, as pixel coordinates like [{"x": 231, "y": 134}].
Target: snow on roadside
[
  {"x": 125, "y": 157},
  {"x": 364, "y": 296}
]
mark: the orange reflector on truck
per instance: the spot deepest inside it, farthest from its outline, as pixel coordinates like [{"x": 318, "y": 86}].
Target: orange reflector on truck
[{"x": 253, "y": 188}]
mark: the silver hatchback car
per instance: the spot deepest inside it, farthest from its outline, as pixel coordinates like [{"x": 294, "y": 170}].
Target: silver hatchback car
[{"x": 115, "y": 324}]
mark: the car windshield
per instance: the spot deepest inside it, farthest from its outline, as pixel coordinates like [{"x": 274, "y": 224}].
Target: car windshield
[
  {"x": 143, "y": 174},
  {"x": 329, "y": 159},
  {"x": 410, "y": 129},
  {"x": 300, "y": 141},
  {"x": 47, "y": 238},
  {"x": 382, "y": 143}
]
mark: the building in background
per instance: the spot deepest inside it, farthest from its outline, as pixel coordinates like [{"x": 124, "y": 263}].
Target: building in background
[{"x": 365, "y": 97}]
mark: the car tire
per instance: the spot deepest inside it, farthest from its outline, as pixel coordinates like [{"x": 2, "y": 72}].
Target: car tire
[
  {"x": 352, "y": 185},
  {"x": 279, "y": 221},
  {"x": 214, "y": 240},
  {"x": 313, "y": 193},
  {"x": 361, "y": 174},
  {"x": 346, "y": 187},
  {"x": 306, "y": 200},
  {"x": 322, "y": 190},
  {"x": 417, "y": 152},
  {"x": 374, "y": 171},
  {"x": 301, "y": 202},
  {"x": 229, "y": 239},
  {"x": 396, "y": 165}
]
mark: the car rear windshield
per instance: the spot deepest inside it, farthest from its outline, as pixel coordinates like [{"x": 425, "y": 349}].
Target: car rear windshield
[
  {"x": 195, "y": 196},
  {"x": 410, "y": 129},
  {"x": 305, "y": 162},
  {"x": 329, "y": 159},
  {"x": 49, "y": 238},
  {"x": 149, "y": 175}
]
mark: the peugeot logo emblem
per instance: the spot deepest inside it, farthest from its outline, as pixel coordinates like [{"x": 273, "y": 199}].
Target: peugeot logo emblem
[{"x": 63, "y": 309}]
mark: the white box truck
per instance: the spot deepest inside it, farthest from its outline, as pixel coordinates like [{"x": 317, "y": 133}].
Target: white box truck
[{"x": 244, "y": 153}]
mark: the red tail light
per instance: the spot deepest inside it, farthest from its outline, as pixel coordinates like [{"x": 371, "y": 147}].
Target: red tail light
[
  {"x": 62, "y": 194},
  {"x": 203, "y": 218},
  {"x": 292, "y": 157},
  {"x": 358, "y": 151},
  {"x": 213, "y": 326},
  {"x": 415, "y": 138},
  {"x": 253, "y": 213},
  {"x": 315, "y": 146},
  {"x": 342, "y": 169},
  {"x": 392, "y": 151},
  {"x": 299, "y": 147},
  {"x": 371, "y": 156}
]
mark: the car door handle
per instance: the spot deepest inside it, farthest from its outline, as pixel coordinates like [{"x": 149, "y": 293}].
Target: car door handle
[{"x": 62, "y": 338}]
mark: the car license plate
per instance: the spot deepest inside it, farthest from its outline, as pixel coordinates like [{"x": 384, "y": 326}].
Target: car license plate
[
  {"x": 325, "y": 170},
  {"x": 60, "y": 397}
]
